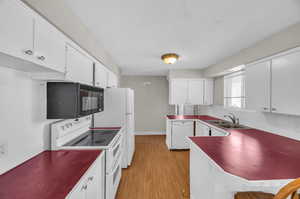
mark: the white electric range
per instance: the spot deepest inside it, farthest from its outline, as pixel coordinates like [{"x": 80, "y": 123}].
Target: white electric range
[{"x": 76, "y": 134}]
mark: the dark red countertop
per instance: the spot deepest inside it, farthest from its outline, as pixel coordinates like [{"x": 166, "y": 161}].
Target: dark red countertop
[
  {"x": 49, "y": 175},
  {"x": 253, "y": 154}
]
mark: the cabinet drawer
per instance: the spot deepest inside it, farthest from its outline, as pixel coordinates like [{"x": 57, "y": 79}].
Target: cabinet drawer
[{"x": 89, "y": 186}]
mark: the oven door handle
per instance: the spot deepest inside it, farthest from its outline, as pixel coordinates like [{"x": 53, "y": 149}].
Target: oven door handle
[
  {"x": 117, "y": 141},
  {"x": 117, "y": 162}
]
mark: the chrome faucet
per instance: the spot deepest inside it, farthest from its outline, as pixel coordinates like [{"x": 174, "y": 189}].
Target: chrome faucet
[{"x": 233, "y": 118}]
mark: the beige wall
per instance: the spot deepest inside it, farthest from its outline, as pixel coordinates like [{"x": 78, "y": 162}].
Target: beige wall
[
  {"x": 181, "y": 73},
  {"x": 151, "y": 101},
  {"x": 59, "y": 14},
  {"x": 286, "y": 39}
]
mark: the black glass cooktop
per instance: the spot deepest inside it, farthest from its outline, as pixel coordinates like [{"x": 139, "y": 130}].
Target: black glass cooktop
[{"x": 94, "y": 138}]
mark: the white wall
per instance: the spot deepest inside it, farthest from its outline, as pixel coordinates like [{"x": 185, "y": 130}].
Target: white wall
[
  {"x": 286, "y": 39},
  {"x": 284, "y": 125},
  {"x": 151, "y": 102},
  {"x": 24, "y": 128}
]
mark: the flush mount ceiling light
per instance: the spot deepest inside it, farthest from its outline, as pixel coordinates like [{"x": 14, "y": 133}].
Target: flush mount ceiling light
[{"x": 170, "y": 58}]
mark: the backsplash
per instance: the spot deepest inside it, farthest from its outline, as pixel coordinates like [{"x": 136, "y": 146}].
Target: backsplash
[
  {"x": 285, "y": 125},
  {"x": 24, "y": 128}
]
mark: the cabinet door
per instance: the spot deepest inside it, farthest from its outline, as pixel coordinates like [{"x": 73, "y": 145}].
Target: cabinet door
[
  {"x": 79, "y": 67},
  {"x": 112, "y": 80},
  {"x": 180, "y": 131},
  {"x": 202, "y": 129},
  {"x": 100, "y": 76},
  {"x": 79, "y": 192},
  {"x": 168, "y": 133},
  {"x": 178, "y": 91},
  {"x": 93, "y": 188},
  {"x": 215, "y": 132},
  {"x": 208, "y": 91},
  {"x": 196, "y": 92},
  {"x": 49, "y": 45},
  {"x": 285, "y": 81},
  {"x": 16, "y": 31},
  {"x": 257, "y": 85}
]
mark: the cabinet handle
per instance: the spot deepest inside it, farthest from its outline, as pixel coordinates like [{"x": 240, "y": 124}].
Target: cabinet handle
[
  {"x": 42, "y": 58},
  {"x": 91, "y": 178},
  {"x": 274, "y": 109},
  {"x": 265, "y": 108},
  {"x": 28, "y": 52},
  {"x": 84, "y": 187}
]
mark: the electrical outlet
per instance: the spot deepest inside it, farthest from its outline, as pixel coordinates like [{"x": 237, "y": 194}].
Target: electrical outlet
[{"x": 3, "y": 151}]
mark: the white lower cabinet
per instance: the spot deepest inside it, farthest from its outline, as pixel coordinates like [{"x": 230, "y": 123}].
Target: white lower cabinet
[
  {"x": 168, "y": 133},
  {"x": 205, "y": 130},
  {"x": 216, "y": 132},
  {"x": 202, "y": 129},
  {"x": 201, "y": 176},
  {"x": 91, "y": 185},
  {"x": 178, "y": 134}
]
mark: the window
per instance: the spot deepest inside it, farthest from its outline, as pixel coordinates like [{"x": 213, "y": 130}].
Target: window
[{"x": 234, "y": 90}]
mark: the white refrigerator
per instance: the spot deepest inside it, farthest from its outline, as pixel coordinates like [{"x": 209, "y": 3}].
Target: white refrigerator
[{"x": 119, "y": 112}]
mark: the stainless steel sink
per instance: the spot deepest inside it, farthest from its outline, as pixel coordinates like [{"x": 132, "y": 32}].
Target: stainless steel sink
[{"x": 226, "y": 124}]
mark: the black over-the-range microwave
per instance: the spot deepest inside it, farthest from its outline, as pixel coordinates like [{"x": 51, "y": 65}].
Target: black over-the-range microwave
[{"x": 67, "y": 100}]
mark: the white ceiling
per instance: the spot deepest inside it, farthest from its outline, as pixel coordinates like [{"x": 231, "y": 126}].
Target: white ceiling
[{"x": 137, "y": 32}]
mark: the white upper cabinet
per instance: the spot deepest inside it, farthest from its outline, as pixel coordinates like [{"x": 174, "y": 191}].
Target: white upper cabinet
[
  {"x": 49, "y": 45},
  {"x": 28, "y": 42},
  {"x": 79, "y": 66},
  {"x": 16, "y": 31},
  {"x": 258, "y": 86},
  {"x": 101, "y": 75},
  {"x": 191, "y": 91},
  {"x": 195, "y": 92},
  {"x": 112, "y": 81},
  {"x": 208, "y": 92},
  {"x": 179, "y": 91},
  {"x": 271, "y": 84},
  {"x": 285, "y": 83}
]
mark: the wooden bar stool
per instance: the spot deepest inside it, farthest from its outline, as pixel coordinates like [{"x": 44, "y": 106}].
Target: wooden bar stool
[{"x": 289, "y": 189}]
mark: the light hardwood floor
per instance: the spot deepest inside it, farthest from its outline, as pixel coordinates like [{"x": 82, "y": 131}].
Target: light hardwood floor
[{"x": 156, "y": 172}]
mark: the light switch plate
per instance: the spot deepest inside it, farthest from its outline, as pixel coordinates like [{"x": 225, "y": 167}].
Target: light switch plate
[{"x": 3, "y": 149}]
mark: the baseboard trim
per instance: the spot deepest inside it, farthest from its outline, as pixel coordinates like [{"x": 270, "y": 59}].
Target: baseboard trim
[{"x": 150, "y": 133}]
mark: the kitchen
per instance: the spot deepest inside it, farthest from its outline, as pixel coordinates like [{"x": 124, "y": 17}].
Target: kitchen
[{"x": 117, "y": 108}]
